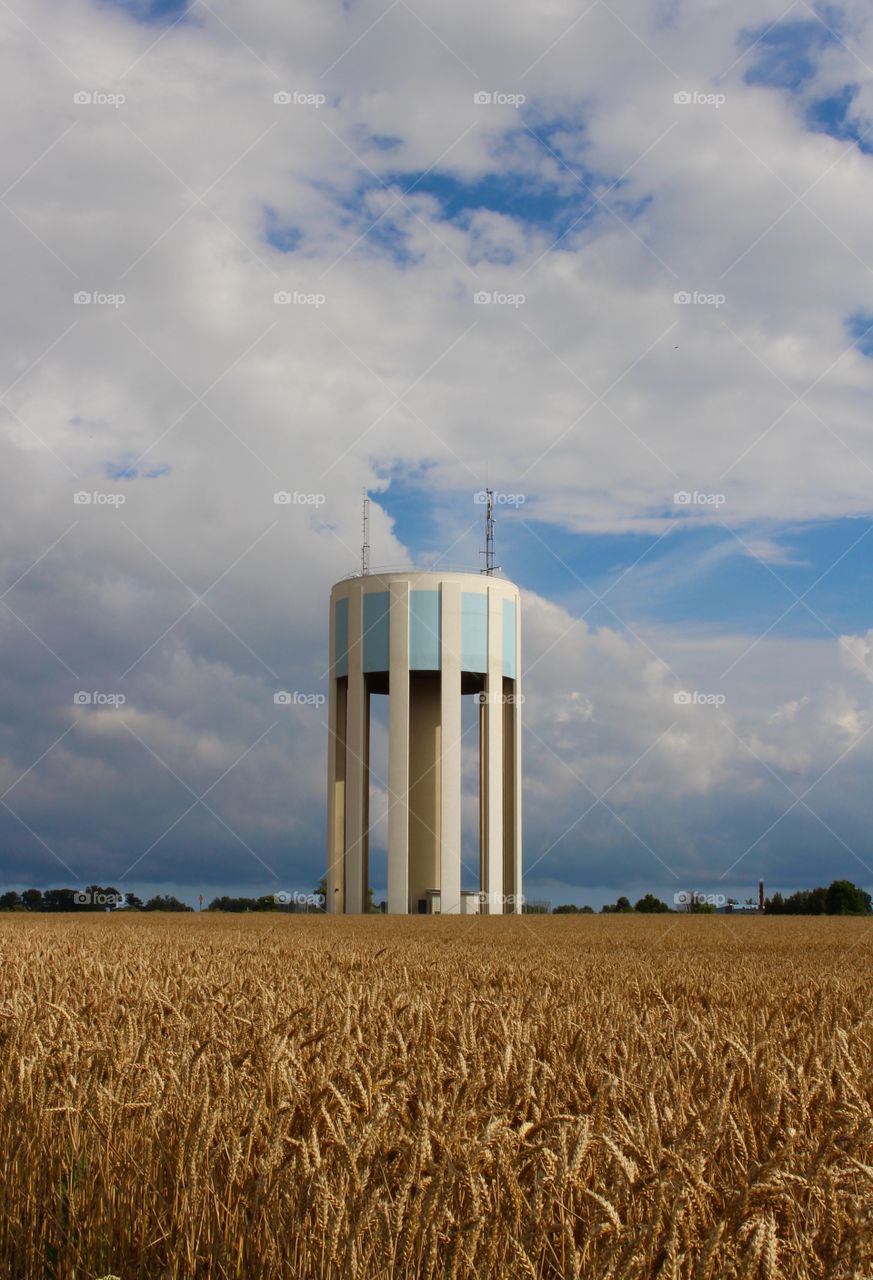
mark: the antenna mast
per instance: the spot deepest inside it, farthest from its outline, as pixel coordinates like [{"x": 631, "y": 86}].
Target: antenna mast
[
  {"x": 365, "y": 545},
  {"x": 488, "y": 553}
]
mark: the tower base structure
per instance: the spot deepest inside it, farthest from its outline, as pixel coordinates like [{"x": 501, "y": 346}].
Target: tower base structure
[{"x": 427, "y": 640}]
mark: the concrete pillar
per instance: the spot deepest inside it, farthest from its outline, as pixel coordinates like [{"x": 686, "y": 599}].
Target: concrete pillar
[
  {"x": 510, "y": 883},
  {"x": 336, "y": 813},
  {"x": 494, "y": 749},
  {"x": 450, "y": 788},
  {"x": 483, "y": 796},
  {"x": 516, "y": 765},
  {"x": 424, "y": 785},
  {"x": 357, "y": 772},
  {"x": 398, "y": 750}
]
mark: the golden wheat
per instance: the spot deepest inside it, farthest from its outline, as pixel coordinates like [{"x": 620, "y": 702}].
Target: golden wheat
[{"x": 268, "y": 1097}]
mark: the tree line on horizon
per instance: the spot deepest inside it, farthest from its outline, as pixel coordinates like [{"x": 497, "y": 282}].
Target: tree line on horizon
[
  {"x": 94, "y": 898},
  {"x": 840, "y": 898}
]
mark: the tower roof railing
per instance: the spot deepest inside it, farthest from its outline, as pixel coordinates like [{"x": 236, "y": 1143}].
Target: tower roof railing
[{"x": 438, "y": 567}]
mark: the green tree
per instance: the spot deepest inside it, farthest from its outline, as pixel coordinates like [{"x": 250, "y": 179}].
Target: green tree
[
  {"x": 818, "y": 901},
  {"x": 62, "y": 900},
  {"x": 621, "y": 906},
  {"x": 166, "y": 902},
  {"x": 846, "y": 899},
  {"x": 650, "y": 904}
]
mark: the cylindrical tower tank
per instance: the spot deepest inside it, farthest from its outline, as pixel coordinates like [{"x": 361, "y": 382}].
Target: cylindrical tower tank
[{"x": 427, "y": 639}]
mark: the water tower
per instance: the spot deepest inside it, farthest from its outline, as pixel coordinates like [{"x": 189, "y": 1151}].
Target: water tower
[{"x": 428, "y": 639}]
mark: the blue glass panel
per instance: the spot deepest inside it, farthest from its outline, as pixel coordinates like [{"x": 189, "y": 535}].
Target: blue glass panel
[
  {"x": 341, "y": 637},
  {"x": 424, "y": 631},
  {"x": 509, "y": 639},
  {"x": 375, "y": 638},
  {"x": 474, "y": 631}
]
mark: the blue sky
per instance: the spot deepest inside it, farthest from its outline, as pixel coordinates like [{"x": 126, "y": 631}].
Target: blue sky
[
  {"x": 702, "y": 576},
  {"x": 153, "y": 12}
]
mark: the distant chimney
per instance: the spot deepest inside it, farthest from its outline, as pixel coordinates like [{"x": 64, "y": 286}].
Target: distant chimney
[{"x": 760, "y": 895}]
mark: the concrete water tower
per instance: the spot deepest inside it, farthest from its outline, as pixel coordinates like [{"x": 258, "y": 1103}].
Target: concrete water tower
[{"x": 427, "y": 639}]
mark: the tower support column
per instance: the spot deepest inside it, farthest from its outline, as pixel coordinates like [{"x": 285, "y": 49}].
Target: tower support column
[
  {"x": 450, "y": 776},
  {"x": 357, "y": 769},
  {"x": 494, "y": 764},
  {"x": 516, "y": 770},
  {"x": 398, "y": 750},
  {"x": 336, "y": 784}
]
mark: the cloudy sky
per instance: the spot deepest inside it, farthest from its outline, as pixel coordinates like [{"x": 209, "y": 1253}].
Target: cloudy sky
[{"x": 666, "y": 209}]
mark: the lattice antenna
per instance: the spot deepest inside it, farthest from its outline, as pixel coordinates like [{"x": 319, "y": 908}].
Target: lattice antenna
[
  {"x": 365, "y": 542},
  {"x": 488, "y": 553}
]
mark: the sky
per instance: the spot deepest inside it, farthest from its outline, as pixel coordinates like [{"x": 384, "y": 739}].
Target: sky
[{"x": 612, "y": 259}]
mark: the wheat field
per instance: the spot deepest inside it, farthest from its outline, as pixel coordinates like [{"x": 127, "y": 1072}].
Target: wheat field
[{"x": 274, "y": 1096}]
